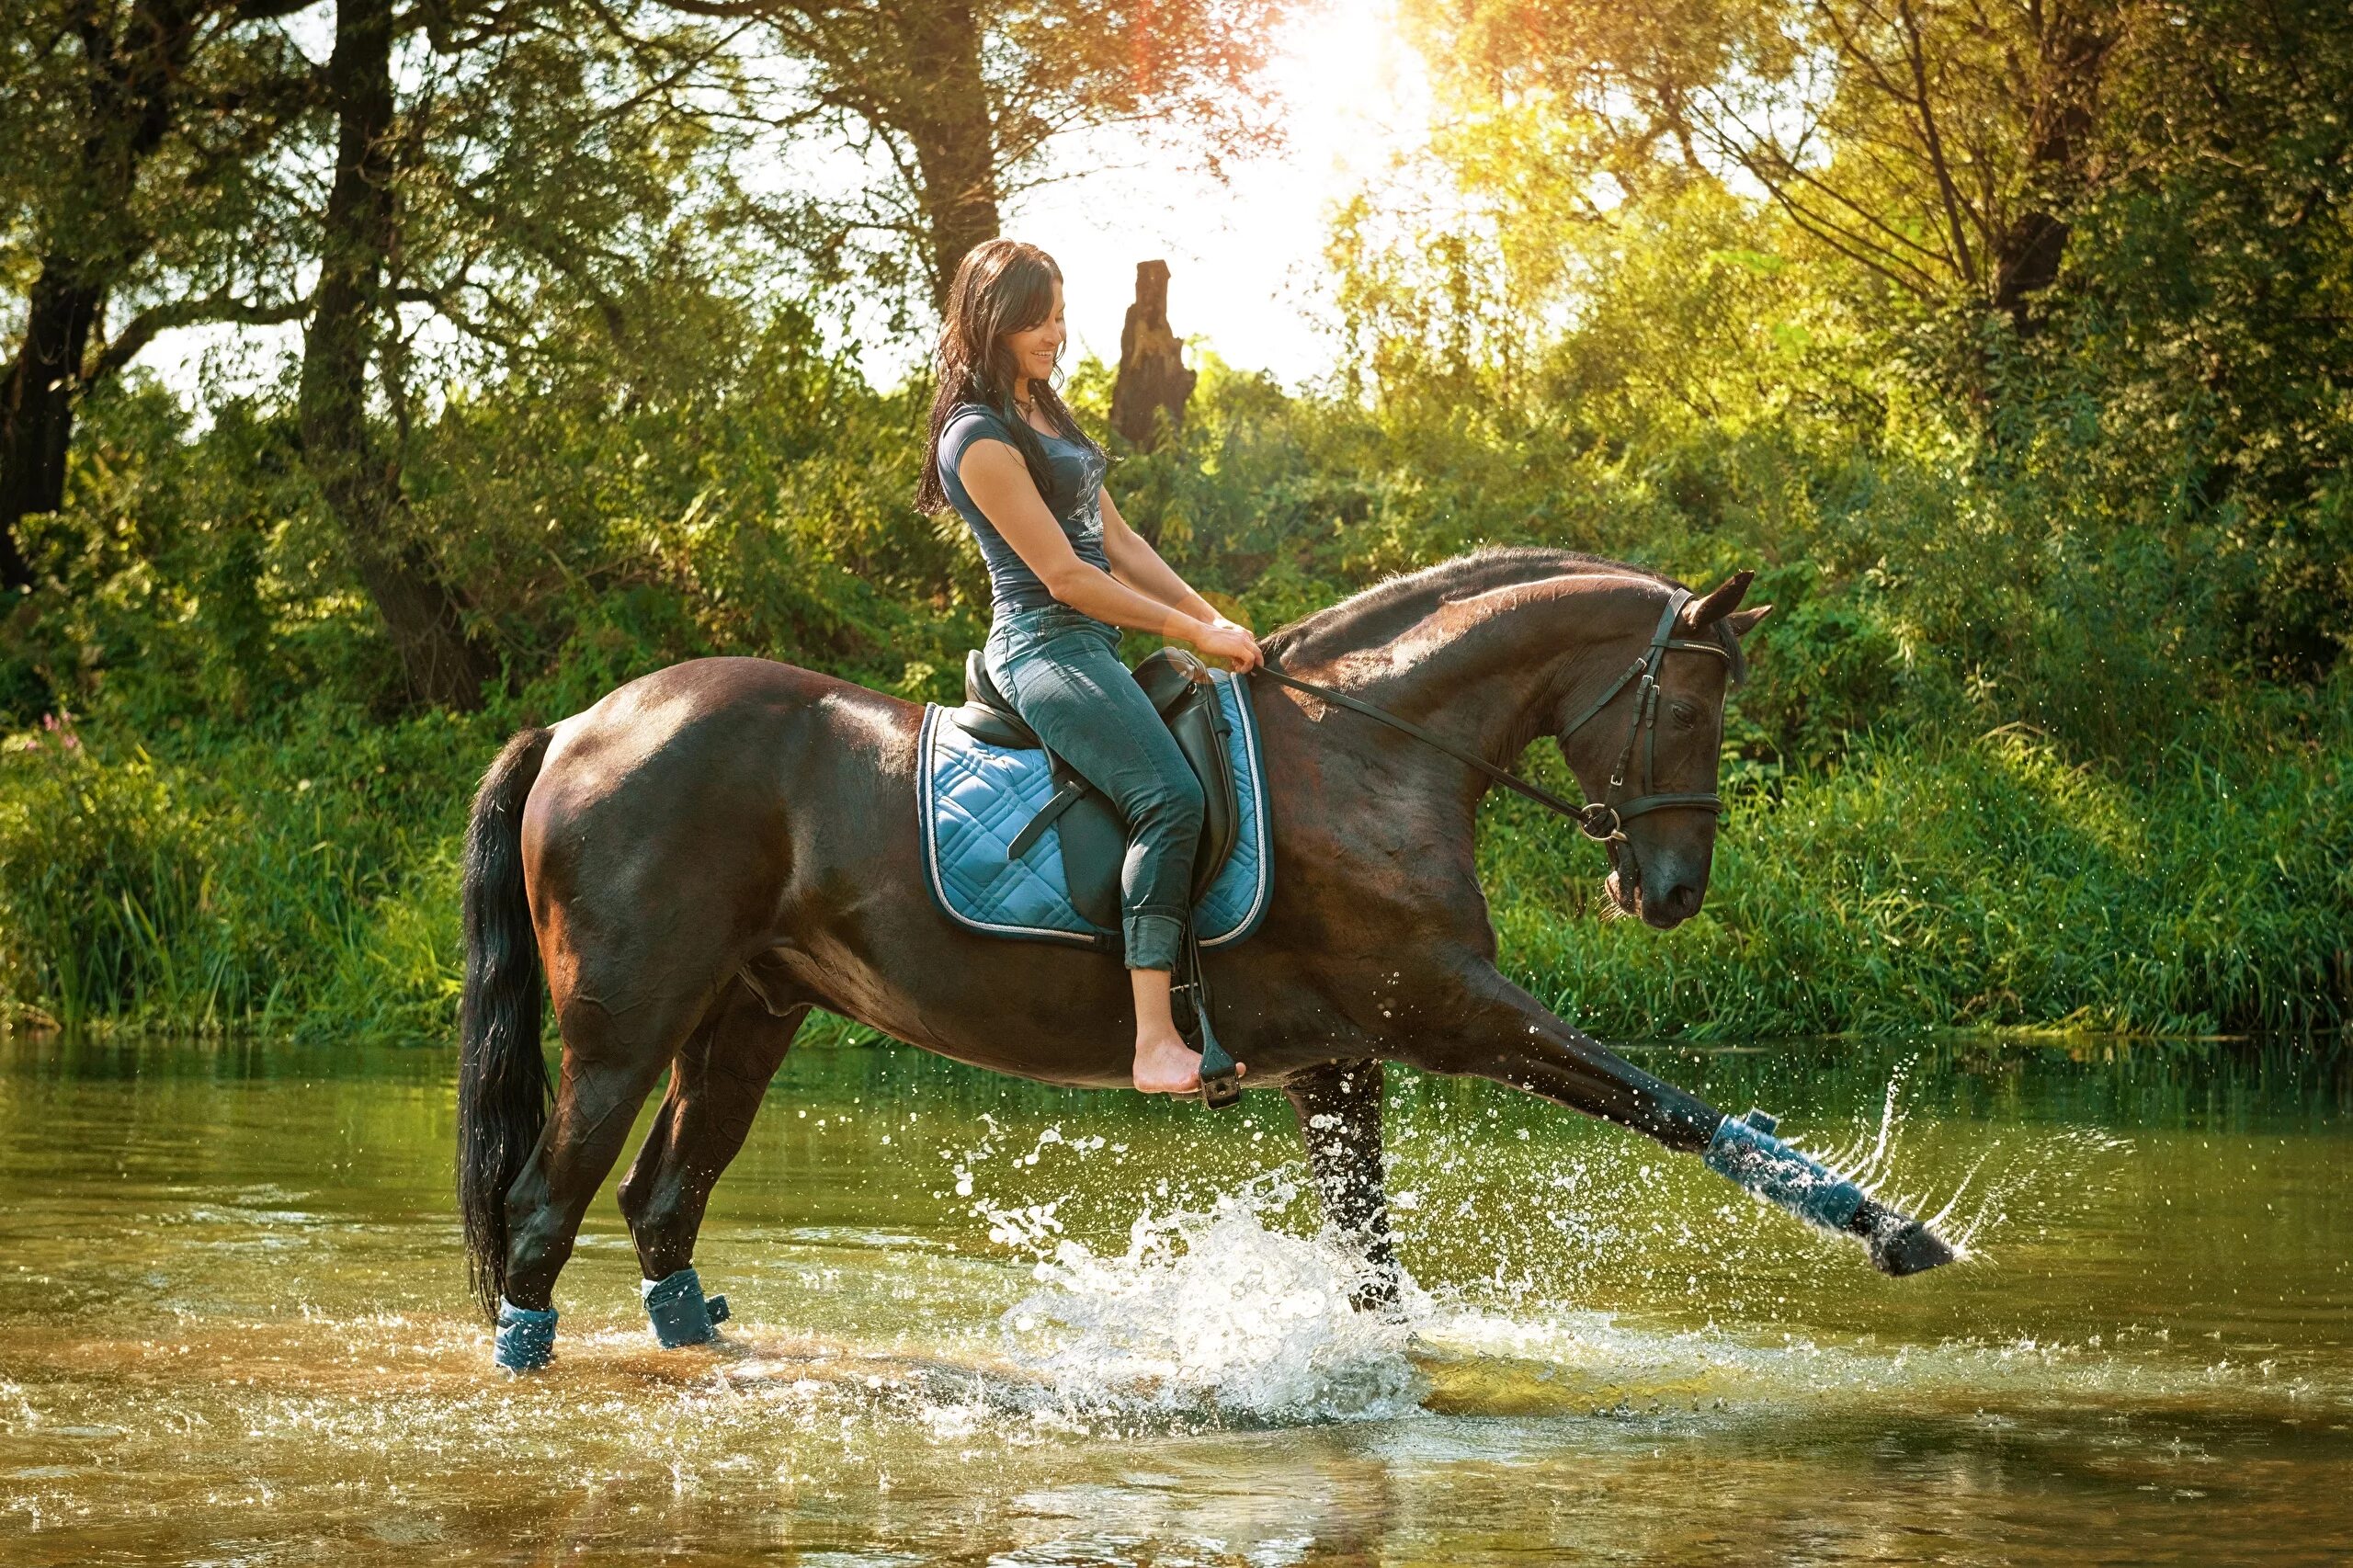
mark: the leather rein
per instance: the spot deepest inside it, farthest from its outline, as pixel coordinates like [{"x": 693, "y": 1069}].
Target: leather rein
[{"x": 1603, "y": 820}]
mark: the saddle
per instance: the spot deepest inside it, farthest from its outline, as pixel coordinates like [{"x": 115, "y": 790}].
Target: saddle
[{"x": 1094, "y": 835}]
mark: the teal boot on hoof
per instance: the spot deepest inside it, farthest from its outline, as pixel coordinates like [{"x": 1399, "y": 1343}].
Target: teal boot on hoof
[
  {"x": 680, "y": 1312},
  {"x": 1745, "y": 1152},
  {"x": 526, "y": 1337}
]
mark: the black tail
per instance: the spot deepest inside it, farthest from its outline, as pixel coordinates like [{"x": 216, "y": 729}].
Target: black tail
[{"x": 502, "y": 1078}]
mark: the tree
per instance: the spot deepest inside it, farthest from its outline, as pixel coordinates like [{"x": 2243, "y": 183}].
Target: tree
[
  {"x": 1938, "y": 144},
  {"x": 132, "y": 145},
  {"x": 961, "y": 99},
  {"x": 356, "y": 470},
  {"x": 1152, "y": 379},
  {"x": 540, "y": 169}
]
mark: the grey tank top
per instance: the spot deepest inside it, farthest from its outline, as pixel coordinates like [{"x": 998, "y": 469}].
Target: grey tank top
[{"x": 1074, "y": 496}]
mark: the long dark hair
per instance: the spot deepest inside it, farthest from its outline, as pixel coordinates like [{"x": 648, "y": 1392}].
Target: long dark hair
[{"x": 1001, "y": 286}]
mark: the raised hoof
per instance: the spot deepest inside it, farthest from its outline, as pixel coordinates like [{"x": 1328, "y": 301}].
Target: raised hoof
[
  {"x": 1909, "y": 1247},
  {"x": 525, "y": 1337}
]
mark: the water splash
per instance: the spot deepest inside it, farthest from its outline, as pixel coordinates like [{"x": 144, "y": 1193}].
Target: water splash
[
  {"x": 1234, "y": 1309},
  {"x": 1211, "y": 1312},
  {"x": 2005, "y": 1183}
]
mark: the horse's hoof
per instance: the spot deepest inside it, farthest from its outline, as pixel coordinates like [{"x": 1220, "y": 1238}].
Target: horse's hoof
[
  {"x": 680, "y": 1312},
  {"x": 1909, "y": 1247},
  {"x": 525, "y": 1337}
]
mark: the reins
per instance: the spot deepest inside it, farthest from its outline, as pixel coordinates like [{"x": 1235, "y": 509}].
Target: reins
[{"x": 1603, "y": 820}]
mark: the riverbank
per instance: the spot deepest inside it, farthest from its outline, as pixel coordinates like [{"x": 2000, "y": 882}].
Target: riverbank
[{"x": 302, "y": 875}]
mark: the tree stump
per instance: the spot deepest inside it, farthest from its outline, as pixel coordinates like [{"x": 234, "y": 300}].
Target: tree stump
[{"x": 1152, "y": 365}]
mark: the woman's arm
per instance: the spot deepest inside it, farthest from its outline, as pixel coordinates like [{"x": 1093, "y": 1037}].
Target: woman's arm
[
  {"x": 1136, "y": 563},
  {"x": 999, "y": 484}
]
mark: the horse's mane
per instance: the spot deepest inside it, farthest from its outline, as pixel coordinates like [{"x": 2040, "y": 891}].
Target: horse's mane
[{"x": 1381, "y": 612}]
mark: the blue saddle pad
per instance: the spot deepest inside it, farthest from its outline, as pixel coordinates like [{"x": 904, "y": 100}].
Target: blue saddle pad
[{"x": 973, "y": 798}]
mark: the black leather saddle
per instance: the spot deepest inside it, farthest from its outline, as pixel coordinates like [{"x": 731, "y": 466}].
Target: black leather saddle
[{"x": 1094, "y": 835}]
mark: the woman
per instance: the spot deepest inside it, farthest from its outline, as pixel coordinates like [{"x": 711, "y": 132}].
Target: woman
[{"x": 1065, "y": 573}]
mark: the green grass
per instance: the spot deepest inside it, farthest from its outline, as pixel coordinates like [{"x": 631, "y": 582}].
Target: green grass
[
  {"x": 305, "y": 880},
  {"x": 1987, "y": 884}
]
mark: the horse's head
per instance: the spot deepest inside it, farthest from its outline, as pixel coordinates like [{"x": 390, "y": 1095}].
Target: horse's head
[{"x": 1647, "y": 750}]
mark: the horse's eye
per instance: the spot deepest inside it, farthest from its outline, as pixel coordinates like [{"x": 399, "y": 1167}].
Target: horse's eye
[{"x": 1685, "y": 715}]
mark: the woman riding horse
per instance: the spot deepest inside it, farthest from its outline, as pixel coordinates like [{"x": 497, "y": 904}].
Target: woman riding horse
[
  {"x": 709, "y": 853},
  {"x": 1065, "y": 573}
]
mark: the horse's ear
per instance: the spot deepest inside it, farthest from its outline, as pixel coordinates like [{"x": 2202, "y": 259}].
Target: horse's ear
[
  {"x": 1702, "y": 613},
  {"x": 1741, "y": 620}
]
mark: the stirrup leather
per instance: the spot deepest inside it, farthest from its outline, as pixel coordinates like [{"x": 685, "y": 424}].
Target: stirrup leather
[{"x": 1190, "y": 1000}]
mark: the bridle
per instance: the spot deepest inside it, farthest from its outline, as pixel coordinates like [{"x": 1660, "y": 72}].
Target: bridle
[
  {"x": 1603, "y": 820},
  {"x": 1644, "y": 730}
]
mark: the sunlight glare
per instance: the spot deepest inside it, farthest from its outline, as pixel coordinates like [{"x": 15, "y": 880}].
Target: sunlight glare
[{"x": 1246, "y": 257}]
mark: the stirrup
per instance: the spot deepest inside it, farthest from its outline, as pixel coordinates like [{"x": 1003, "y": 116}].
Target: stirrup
[{"x": 1221, "y": 1075}]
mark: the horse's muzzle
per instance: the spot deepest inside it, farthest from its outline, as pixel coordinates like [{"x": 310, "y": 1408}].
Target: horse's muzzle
[
  {"x": 1632, "y": 894},
  {"x": 1671, "y": 908}
]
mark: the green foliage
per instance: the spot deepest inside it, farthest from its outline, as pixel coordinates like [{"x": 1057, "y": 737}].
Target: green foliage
[
  {"x": 1986, "y": 883},
  {"x": 261, "y": 845},
  {"x": 2050, "y": 725},
  {"x": 300, "y": 877}
]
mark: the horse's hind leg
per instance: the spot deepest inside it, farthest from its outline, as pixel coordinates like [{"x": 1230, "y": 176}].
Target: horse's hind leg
[
  {"x": 1339, "y": 1106},
  {"x": 716, "y": 1087},
  {"x": 616, "y": 1039}
]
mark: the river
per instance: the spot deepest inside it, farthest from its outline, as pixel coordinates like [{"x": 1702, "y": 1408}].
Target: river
[{"x": 978, "y": 1321}]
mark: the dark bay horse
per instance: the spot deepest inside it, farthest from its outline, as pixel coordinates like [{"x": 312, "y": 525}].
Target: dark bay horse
[{"x": 714, "y": 849}]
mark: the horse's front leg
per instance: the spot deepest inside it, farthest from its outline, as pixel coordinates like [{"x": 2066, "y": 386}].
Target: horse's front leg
[
  {"x": 1339, "y": 1106},
  {"x": 1486, "y": 1026}
]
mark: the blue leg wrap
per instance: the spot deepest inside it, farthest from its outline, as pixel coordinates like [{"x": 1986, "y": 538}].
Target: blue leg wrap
[
  {"x": 681, "y": 1313},
  {"x": 526, "y": 1337},
  {"x": 1745, "y": 1152}
]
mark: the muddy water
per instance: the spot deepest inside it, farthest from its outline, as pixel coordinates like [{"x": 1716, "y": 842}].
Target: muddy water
[{"x": 982, "y": 1321}]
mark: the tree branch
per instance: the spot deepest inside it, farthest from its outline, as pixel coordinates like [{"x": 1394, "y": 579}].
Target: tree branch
[{"x": 144, "y": 329}]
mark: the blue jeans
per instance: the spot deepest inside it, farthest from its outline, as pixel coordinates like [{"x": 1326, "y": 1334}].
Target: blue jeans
[{"x": 1060, "y": 669}]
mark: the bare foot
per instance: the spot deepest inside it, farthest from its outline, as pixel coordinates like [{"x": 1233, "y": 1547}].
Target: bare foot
[
  {"x": 1163, "y": 1065},
  {"x": 1166, "y": 1065}
]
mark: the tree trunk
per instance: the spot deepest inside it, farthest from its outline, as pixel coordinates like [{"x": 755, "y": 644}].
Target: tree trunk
[
  {"x": 1152, "y": 363},
  {"x": 126, "y": 108},
  {"x": 2072, "y": 57},
  {"x": 37, "y": 405},
  {"x": 357, "y": 476},
  {"x": 948, "y": 121}
]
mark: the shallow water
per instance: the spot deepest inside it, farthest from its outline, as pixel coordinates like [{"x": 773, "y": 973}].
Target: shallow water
[{"x": 984, "y": 1321}]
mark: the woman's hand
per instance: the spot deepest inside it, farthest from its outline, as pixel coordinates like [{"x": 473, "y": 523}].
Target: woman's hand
[{"x": 1222, "y": 639}]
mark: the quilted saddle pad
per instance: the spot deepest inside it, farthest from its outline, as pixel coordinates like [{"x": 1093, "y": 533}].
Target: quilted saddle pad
[{"x": 973, "y": 798}]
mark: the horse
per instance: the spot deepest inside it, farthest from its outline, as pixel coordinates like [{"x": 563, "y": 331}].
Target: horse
[{"x": 714, "y": 849}]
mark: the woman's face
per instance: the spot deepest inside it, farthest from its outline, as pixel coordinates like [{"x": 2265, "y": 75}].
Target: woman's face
[{"x": 1035, "y": 350}]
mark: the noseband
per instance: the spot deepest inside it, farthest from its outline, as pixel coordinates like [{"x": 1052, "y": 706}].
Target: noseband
[{"x": 1604, "y": 819}]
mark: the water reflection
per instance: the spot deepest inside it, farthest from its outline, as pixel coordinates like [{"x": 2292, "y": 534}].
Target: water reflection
[{"x": 981, "y": 1320}]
